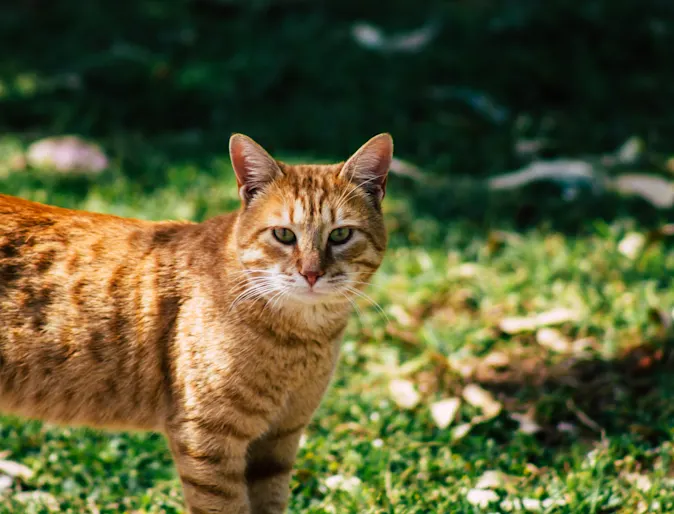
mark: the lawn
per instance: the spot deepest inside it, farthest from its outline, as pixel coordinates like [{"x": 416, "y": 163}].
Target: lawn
[{"x": 574, "y": 413}]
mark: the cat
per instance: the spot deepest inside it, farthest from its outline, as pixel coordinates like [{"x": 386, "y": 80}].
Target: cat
[{"x": 222, "y": 335}]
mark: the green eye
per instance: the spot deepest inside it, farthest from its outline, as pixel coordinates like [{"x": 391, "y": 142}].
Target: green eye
[
  {"x": 285, "y": 236},
  {"x": 340, "y": 235}
]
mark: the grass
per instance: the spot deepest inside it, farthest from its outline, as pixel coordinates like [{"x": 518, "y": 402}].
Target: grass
[
  {"x": 455, "y": 284},
  {"x": 162, "y": 87}
]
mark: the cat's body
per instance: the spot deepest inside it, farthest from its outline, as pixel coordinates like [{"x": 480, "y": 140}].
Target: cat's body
[{"x": 222, "y": 335}]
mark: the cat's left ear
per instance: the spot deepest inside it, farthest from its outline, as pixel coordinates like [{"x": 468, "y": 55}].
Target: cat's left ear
[
  {"x": 253, "y": 166},
  {"x": 369, "y": 166}
]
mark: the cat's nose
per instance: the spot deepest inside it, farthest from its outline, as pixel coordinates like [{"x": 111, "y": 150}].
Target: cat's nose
[{"x": 312, "y": 276}]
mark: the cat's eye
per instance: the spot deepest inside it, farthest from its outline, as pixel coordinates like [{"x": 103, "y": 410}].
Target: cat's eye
[
  {"x": 340, "y": 235},
  {"x": 285, "y": 236}
]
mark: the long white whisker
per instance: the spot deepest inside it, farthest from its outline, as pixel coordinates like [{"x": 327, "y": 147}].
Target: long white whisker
[{"x": 367, "y": 298}]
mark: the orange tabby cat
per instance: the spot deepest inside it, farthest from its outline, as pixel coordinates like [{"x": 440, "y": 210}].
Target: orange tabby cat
[{"x": 223, "y": 335}]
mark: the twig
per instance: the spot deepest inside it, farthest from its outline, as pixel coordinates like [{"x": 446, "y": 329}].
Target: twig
[{"x": 584, "y": 418}]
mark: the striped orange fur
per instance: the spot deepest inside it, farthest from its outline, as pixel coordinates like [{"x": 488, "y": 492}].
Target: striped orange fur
[{"x": 223, "y": 335}]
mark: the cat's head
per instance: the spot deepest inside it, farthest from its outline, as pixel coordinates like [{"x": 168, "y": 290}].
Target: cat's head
[{"x": 310, "y": 234}]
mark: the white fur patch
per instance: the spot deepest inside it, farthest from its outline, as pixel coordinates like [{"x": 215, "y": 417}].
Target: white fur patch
[
  {"x": 298, "y": 212},
  {"x": 281, "y": 219},
  {"x": 252, "y": 254}
]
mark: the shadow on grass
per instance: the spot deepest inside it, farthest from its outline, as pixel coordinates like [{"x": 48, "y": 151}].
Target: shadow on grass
[{"x": 627, "y": 396}]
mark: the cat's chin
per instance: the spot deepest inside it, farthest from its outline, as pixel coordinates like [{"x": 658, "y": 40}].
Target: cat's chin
[{"x": 311, "y": 297}]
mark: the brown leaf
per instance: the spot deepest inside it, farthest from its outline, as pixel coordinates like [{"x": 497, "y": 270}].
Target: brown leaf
[{"x": 444, "y": 412}]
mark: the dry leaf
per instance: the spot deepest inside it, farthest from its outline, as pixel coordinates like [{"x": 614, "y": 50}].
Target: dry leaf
[
  {"x": 531, "y": 504},
  {"x": 527, "y": 422},
  {"x": 568, "y": 172},
  {"x": 407, "y": 169},
  {"x": 5, "y": 483},
  {"x": 517, "y": 325},
  {"x": 496, "y": 360},
  {"x": 373, "y": 38},
  {"x": 567, "y": 428},
  {"x": 632, "y": 245},
  {"x": 481, "y": 497},
  {"x": 483, "y": 399},
  {"x": 467, "y": 270},
  {"x": 461, "y": 431},
  {"x": 66, "y": 154},
  {"x": 656, "y": 190},
  {"x": 404, "y": 393},
  {"x": 553, "y": 339},
  {"x": 342, "y": 483},
  {"x": 444, "y": 412},
  {"x": 39, "y": 498},
  {"x": 495, "y": 479},
  {"x": 630, "y": 151},
  {"x": 14, "y": 469},
  {"x": 641, "y": 482},
  {"x": 399, "y": 313}
]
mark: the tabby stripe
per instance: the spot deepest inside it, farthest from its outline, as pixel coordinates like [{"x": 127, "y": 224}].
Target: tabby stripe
[
  {"x": 266, "y": 469},
  {"x": 374, "y": 243},
  {"x": 242, "y": 404},
  {"x": 221, "y": 427},
  {"x": 210, "y": 458},
  {"x": 211, "y": 489},
  {"x": 267, "y": 391},
  {"x": 362, "y": 262}
]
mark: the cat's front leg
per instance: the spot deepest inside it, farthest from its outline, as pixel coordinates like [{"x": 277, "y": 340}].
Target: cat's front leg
[
  {"x": 210, "y": 457},
  {"x": 270, "y": 464}
]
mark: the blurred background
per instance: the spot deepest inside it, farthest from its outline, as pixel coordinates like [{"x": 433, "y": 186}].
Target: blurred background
[{"x": 523, "y": 349}]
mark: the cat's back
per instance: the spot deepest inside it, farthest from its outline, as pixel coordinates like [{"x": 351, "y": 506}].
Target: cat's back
[{"x": 85, "y": 298}]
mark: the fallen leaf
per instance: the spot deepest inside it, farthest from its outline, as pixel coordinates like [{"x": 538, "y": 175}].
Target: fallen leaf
[
  {"x": 632, "y": 245},
  {"x": 516, "y": 325},
  {"x": 566, "y": 172},
  {"x": 373, "y": 38},
  {"x": 404, "y": 393},
  {"x": 407, "y": 169},
  {"x": 461, "y": 431},
  {"x": 14, "y": 469},
  {"x": 531, "y": 504},
  {"x": 641, "y": 482},
  {"x": 481, "y": 497},
  {"x": 468, "y": 270},
  {"x": 66, "y": 154},
  {"x": 553, "y": 339},
  {"x": 630, "y": 151},
  {"x": 656, "y": 190},
  {"x": 38, "y": 497},
  {"x": 567, "y": 428},
  {"x": 342, "y": 483},
  {"x": 495, "y": 479},
  {"x": 527, "y": 421},
  {"x": 444, "y": 412},
  {"x": 5, "y": 483},
  {"x": 483, "y": 399},
  {"x": 496, "y": 360},
  {"x": 403, "y": 318}
]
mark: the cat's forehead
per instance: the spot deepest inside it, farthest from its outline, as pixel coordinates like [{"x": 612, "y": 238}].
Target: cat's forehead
[{"x": 313, "y": 194}]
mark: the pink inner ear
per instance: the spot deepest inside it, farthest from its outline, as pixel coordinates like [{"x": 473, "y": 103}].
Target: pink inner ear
[
  {"x": 253, "y": 166},
  {"x": 369, "y": 166},
  {"x": 237, "y": 155}
]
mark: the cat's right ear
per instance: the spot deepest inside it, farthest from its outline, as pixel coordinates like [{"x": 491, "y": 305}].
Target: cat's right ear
[{"x": 253, "y": 166}]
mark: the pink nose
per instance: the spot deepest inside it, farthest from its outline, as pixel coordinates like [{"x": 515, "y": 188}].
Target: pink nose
[{"x": 311, "y": 276}]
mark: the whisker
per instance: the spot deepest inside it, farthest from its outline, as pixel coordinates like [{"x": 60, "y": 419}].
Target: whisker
[{"x": 369, "y": 299}]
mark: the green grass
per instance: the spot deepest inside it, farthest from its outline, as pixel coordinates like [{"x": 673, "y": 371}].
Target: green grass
[
  {"x": 404, "y": 462},
  {"x": 161, "y": 85}
]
